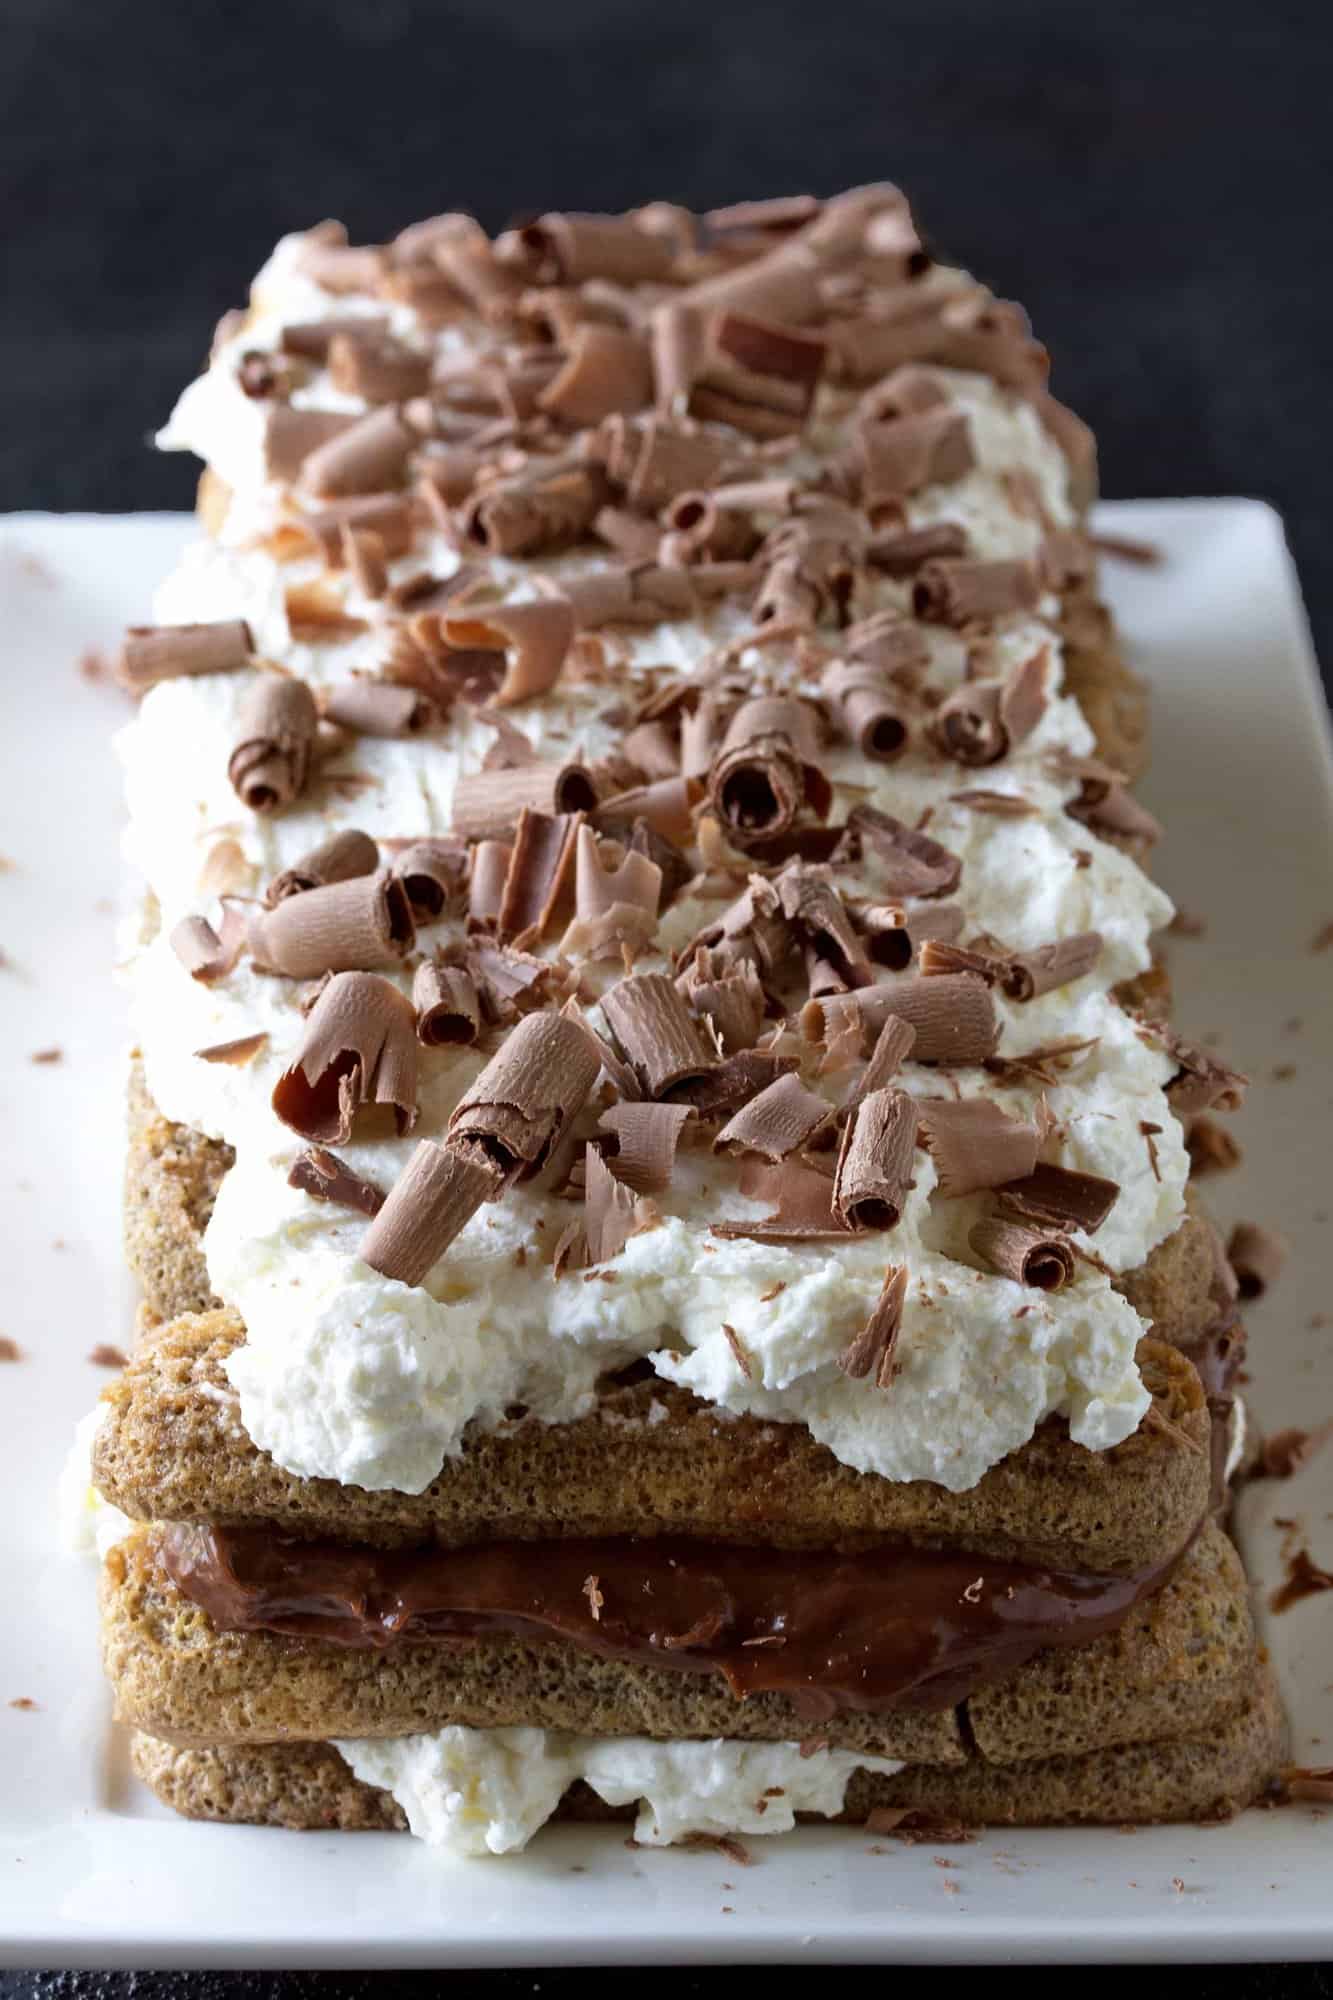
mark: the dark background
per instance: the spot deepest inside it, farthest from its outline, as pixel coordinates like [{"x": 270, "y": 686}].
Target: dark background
[{"x": 1153, "y": 180}]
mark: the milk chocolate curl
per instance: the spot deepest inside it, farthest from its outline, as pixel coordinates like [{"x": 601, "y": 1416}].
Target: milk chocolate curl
[
  {"x": 367, "y": 458},
  {"x": 378, "y": 708},
  {"x": 893, "y": 1046},
  {"x": 910, "y": 862},
  {"x": 614, "y": 906},
  {"x": 433, "y": 1199},
  {"x": 605, "y": 372},
  {"x": 932, "y": 447},
  {"x": 645, "y": 1137},
  {"x": 758, "y": 781},
  {"x": 311, "y": 339},
  {"x": 534, "y": 639},
  {"x": 538, "y": 872},
  {"x": 974, "y": 1144},
  {"x": 376, "y": 367},
  {"x": 1028, "y": 1255},
  {"x": 433, "y": 874},
  {"x": 360, "y": 1047},
  {"x": 902, "y": 552},
  {"x": 666, "y": 807},
  {"x": 335, "y": 265},
  {"x": 655, "y": 1032},
  {"x": 1113, "y": 810},
  {"x": 875, "y": 1161},
  {"x": 275, "y": 733},
  {"x": 512, "y": 1116},
  {"x": 292, "y": 436},
  {"x": 728, "y": 995},
  {"x": 386, "y": 516},
  {"x": 957, "y": 592},
  {"x": 346, "y": 926},
  {"x": 803, "y": 1205},
  {"x": 894, "y": 936},
  {"x": 209, "y": 955},
  {"x": 874, "y": 715},
  {"x": 953, "y": 1015},
  {"x": 781, "y": 1120},
  {"x": 967, "y": 724},
  {"x": 365, "y": 559},
  {"x": 324, "y": 1177},
  {"x": 1077, "y": 443},
  {"x": 1028, "y": 974},
  {"x": 486, "y": 881},
  {"x": 487, "y": 804},
  {"x": 1256, "y": 1255},
  {"x": 1201, "y": 1083},
  {"x": 540, "y": 510},
  {"x": 338, "y": 859},
  {"x": 809, "y": 900},
  {"x": 153, "y": 653},
  {"x": 448, "y": 1009},
  {"x": 872, "y": 1351},
  {"x": 568, "y": 248},
  {"x": 676, "y": 334},
  {"x": 1062, "y": 1196}
]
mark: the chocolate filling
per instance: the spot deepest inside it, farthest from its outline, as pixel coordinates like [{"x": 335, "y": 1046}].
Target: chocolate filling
[{"x": 880, "y": 1628}]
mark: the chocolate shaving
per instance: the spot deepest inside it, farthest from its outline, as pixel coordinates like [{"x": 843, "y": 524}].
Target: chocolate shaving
[
  {"x": 375, "y": 366},
  {"x": 734, "y": 1082},
  {"x": 1211, "y": 1147},
  {"x": 433, "y": 873},
  {"x": 538, "y": 872},
  {"x": 765, "y": 770},
  {"x": 729, "y": 995},
  {"x": 612, "y": 1212},
  {"x": 810, "y": 902},
  {"x": 275, "y": 735},
  {"x": 872, "y": 1350},
  {"x": 1256, "y": 1254},
  {"x": 566, "y": 249},
  {"x": 548, "y": 506},
  {"x": 616, "y": 906},
  {"x": 488, "y": 804},
  {"x": 665, "y": 808},
  {"x": 644, "y": 1138},
  {"x": 874, "y": 715},
  {"x": 206, "y": 954},
  {"x": 803, "y": 1210},
  {"x": 894, "y": 1044},
  {"x": 1062, "y": 1196},
  {"x": 369, "y": 456},
  {"x": 513, "y": 1114},
  {"x": 359, "y": 1048},
  {"x": 447, "y": 1007},
  {"x": 534, "y": 639},
  {"x": 783, "y": 1119},
  {"x": 378, "y": 708},
  {"x": 430, "y": 1203},
  {"x": 337, "y": 859},
  {"x": 324, "y": 1177},
  {"x": 605, "y": 371},
  {"x": 1201, "y": 1083},
  {"x": 903, "y": 552},
  {"x": 153, "y": 653},
  {"x": 509, "y": 981},
  {"x": 1114, "y": 811},
  {"x": 910, "y": 862},
  {"x": 346, "y": 926},
  {"x": 235, "y": 1053},
  {"x": 874, "y": 1170},
  {"x": 894, "y": 936},
  {"x": 897, "y": 458},
  {"x": 1027, "y": 1254},
  {"x": 953, "y": 1015},
  {"x": 291, "y": 436},
  {"x": 658, "y": 1037},
  {"x": 486, "y": 881},
  {"x": 975, "y": 1145},
  {"x": 962, "y": 591}
]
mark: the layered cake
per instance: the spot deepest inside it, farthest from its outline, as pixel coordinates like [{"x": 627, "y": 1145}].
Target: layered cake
[{"x": 658, "y": 1155}]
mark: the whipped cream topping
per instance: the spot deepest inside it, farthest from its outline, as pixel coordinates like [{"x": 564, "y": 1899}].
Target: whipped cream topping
[
  {"x": 487, "y": 1791},
  {"x": 350, "y": 1375}
]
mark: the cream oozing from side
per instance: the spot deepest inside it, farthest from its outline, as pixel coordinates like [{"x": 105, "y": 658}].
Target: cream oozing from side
[
  {"x": 488, "y": 1791},
  {"x": 352, "y": 1376}
]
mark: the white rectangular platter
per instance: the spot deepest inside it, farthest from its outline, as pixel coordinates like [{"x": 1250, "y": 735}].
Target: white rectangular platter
[{"x": 94, "y": 1873}]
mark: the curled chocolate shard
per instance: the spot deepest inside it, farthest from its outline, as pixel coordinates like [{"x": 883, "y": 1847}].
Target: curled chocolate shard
[
  {"x": 783, "y": 1119},
  {"x": 359, "y": 1048},
  {"x": 378, "y": 708},
  {"x": 434, "y": 1198},
  {"x": 728, "y": 994},
  {"x": 665, "y": 807},
  {"x": 1256, "y": 1254},
  {"x": 1028, "y": 974},
  {"x": 665, "y": 1045},
  {"x": 876, "y": 716},
  {"x": 1112, "y": 810},
  {"x": 615, "y": 905},
  {"x": 487, "y": 876},
  {"x": 510, "y": 982},
  {"x": 387, "y": 516},
  {"x": 335, "y": 265},
  {"x": 802, "y": 1200},
  {"x": 643, "y": 1141},
  {"x": 488, "y": 804},
  {"x": 546, "y": 507},
  {"x": 909, "y": 863},
  {"x": 894, "y": 935},
  {"x": 365, "y": 558},
  {"x": 533, "y": 639},
  {"x": 1063, "y": 1197},
  {"x": 235, "y": 1054},
  {"x": 567, "y": 249},
  {"x": 368, "y": 457},
  {"x": 153, "y": 653},
  {"x": 873, "y": 1350},
  {"x": 337, "y": 859},
  {"x": 433, "y": 874},
  {"x": 275, "y": 735},
  {"x": 291, "y": 436},
  {"x": 901, "y": 552},
  {"x": 765, "y": 769},
  {"x": 1021, "y": 1251},
  {"x": 612, "y": 1213},
  {"x": 447, "y": 1004},
  {"x": 606, "y": 372},
  {"x": 1201, "y": 1082},
  {"x": 810, "y": 902},
  {"x": 347, "y": 926},
  {"x": 750, "y": 931},
  {"x": 927, "y": 448},
  {"x": 324, "y": 1177},
  {"x": 310, "y": 340},
  {"x": 975, "y": 1144},
  {"x": 1077, "y": 443},
  {"x": 376, "y": 366},
  {"x": 961, "y": 591},
  {"x": 874, "y": 1169},
  {"x": 953, "y": 1015},
  {"x": 538, "y": 871},
  {"x": 967, "y": 725},
  {"x": 208, "y": 954},
  {"x": 539, "y": 1078}
]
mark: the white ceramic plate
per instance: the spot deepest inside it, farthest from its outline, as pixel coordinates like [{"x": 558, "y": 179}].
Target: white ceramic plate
[{"x": 93, "y": 1872}]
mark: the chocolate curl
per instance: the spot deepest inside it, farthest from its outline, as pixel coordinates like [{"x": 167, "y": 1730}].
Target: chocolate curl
[
  {"x": 967, "y": 725},
  {"x": 644, "y": 1138},
  {"x": 659, "y": 1038},
  {"x": 153, "y": 653},
  {"x": 378, "y": 708},
  {"x": 810, "y": 901},
  {"x": 606, "y": 372},
  {"x": 750, "y": 931},
  {"x": 614, "y": 906},
  {"x": 699, "y": 526},
  {"x": 872, "y": 1351},
  {"x": 346, "y": 926},
  {"x": 448, "y": 1009},
  {"x": 974, "y": 1144},
  {"x": 359, "y": 1048},
  {"x": 874, "y": 1170},
  {"x": 364, "y": 556},
  {"x": 953, "y": 1016},
  {"x": 1028, "y": 1255},
  {"x": 433, "y": 874},
  {"x": 337, "y": 859},
  {"x": 783, "y": 1119},
  {"x": 310, "y": 340},
  {"x": 539, "y": 865},
  {"x": 317, "y": 613},
  {"x": 893, "y": 936},
  {"x": 1077, "y": 443},
  {"x": 388, "y": 516},
  {"x": 933, "y": 447},
  {"x": 653, "y": 460},
  {"x": 376, "y": 367},
  {"x": 755, "y": 375},
  {"x": 1062, "y": 1196},
  {"x": 292, "y": 436},
  {"x": 567, "y": 248},
  {"x": 324, "y": 1177},
  {"x": 330, "y": 262},
  {"x": 206, "y": 954},
  {"x": 960, "y": 592},
  {"x": 1201, "y": 1083},
  {"x": 803, "y": 1210},
  {"x": 730, "y": 998},
  {"x": 875, "y": 716},
  {"x": 902, "y": 553},
  {"x": 366, "y": 458},
  {"x": 544, "y": 509},
  {"x": 676, "y": 337},
  {"x": 534, "y": 638},
  {"x": 628, "y": 534},
  {"x": 512, "y": 1116},
  {"x": 486, "y": 882},
  {"x": 910, "y": 862},
  {"x": 766, "y": 769},
  {"x": 431, "y": 1202},
  {"x": 1256, "y": 1255},
  {"x": 673, "y": 864},
  {"x": 275, "y": 733},
  {"x": 1112, "y": 810},
  {"x": 487, "y": 804},
  {"x": 665, "y": 806},
  {"x": 1028, "y": 974}
]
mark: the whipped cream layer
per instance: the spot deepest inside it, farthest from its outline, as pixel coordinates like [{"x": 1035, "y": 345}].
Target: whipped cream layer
[
  {"x": 353, "y": 1376},
  {"x": 487, "y": 1791}
]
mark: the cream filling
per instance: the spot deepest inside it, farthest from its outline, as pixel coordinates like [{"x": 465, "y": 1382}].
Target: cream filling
[{"x": 487, "y": 1791}]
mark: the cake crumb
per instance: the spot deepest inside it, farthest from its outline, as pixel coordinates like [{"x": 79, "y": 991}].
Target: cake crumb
[
  {"x": 104, "y": 1355},
  {"x": 9, "y": 1349},
  {"x": 47, "y": 1055}
]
